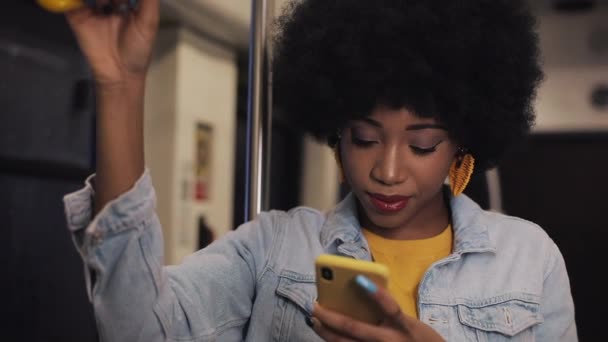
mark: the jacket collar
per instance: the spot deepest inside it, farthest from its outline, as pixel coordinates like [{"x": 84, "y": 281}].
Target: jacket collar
[
  {"x": 470, "y": 226},
  {"x": 342, "y": 228}
]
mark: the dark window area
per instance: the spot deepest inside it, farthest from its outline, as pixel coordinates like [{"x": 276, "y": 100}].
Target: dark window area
[
  {"x": 286, "y": 155},
  {"x": 559, "y": 181},
  {"x": 46, "y": 151}
]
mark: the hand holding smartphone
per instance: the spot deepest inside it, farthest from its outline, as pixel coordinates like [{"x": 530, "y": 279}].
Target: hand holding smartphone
[{"x": 338, "y": 291}]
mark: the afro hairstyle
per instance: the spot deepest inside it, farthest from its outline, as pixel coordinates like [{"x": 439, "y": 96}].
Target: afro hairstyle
[{"x": 472, "y": 65}]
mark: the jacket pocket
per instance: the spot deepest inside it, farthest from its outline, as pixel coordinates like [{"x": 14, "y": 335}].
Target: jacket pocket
[
  {"x": 296, "y": 293},
  {"x": 504, "y": 318}
]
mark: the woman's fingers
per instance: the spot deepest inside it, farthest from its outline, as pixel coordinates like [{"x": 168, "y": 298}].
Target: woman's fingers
[
  {"x": 92, "y": 8},
  {"x": 390, "y": 308},
  {"x": 147, "y": 12},
  {"x": 346, "y": 326},
  {"x": 77, "y": 16},
  {"x": 326, "y": 333}
]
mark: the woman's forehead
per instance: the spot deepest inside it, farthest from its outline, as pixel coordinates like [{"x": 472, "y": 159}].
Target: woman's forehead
[{"x": 385, "y": 117}]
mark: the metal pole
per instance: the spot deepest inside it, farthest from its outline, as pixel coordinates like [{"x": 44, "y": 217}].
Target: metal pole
[{"x": 258, "y": 110}]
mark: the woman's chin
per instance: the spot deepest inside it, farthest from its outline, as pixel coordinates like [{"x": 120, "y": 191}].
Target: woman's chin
[{"x": 387, "y": 221}]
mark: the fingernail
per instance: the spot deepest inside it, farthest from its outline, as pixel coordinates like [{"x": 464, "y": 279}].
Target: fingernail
[
  {"x": 366, "y": 284},
  {"x": 309, "y": 322}
]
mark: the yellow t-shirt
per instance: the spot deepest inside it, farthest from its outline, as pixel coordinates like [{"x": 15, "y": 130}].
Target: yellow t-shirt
[{"x": 407, "y": 261}]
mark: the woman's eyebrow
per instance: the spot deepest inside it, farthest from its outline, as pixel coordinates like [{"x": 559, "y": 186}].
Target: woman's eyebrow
[
  {"x": 371, "y": 122},
  {"x": 413, "y": 127},
  {"x": 416, "y": 127}
]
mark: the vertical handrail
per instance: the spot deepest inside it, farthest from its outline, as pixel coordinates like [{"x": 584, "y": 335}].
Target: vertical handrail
[{"x": 259, "y": 115}]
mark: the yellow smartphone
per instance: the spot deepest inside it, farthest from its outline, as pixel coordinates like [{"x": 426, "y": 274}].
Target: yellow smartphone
[{"x": 337, "y": 290}]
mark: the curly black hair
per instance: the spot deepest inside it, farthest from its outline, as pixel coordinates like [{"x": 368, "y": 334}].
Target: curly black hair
[{"x": 473, "y": 65}]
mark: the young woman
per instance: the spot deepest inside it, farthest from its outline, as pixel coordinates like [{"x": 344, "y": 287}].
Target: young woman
[{"x": 408, "y": 93}]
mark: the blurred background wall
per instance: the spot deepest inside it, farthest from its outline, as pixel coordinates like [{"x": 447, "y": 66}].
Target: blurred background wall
[
  {"x": 200, "y": 78},
  {"x": 195, "y": 150}
]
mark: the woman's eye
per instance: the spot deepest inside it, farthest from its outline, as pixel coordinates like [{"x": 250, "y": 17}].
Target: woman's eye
[
  {"x": 362, "y": 142},
  {"x": 423, "y": 151}
]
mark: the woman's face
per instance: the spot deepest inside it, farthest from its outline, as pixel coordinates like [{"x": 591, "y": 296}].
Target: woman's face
[{"x": 396, "y": 164}]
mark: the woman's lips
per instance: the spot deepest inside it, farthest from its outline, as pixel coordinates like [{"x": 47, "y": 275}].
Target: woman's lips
[{"x": 388, "y": 204}]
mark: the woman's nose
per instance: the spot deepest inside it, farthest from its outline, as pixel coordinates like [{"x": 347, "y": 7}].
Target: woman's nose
[{"x": 389, "y": 168}]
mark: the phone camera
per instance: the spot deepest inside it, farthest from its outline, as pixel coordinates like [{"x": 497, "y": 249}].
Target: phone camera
[{"x": 327, "y": 273}]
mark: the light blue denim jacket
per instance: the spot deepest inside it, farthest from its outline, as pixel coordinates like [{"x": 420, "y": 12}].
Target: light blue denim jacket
[{"x": 504, "y": 281}]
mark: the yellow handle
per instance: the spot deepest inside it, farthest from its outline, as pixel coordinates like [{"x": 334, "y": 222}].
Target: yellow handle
[{"x": 61, "y": 6}]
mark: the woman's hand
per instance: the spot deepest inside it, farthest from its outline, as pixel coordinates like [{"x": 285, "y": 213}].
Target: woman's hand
[
  {"x": 118, "y": 44},
  {"x": 396, "y": 326}
]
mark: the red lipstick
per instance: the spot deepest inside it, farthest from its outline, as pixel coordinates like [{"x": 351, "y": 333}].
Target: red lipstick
[{"x": 388, "y": 204}]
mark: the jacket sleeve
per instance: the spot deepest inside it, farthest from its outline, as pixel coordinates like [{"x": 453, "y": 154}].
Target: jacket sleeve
[
  {"x": 557, "y": 306},
  {"x": 135, "y": 298}
]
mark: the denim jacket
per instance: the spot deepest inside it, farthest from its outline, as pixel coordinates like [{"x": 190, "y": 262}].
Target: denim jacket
[{"x": 504, "y": 281}]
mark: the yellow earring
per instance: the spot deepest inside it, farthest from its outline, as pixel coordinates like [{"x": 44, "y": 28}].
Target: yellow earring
[{"x": 460, "y": 173}]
